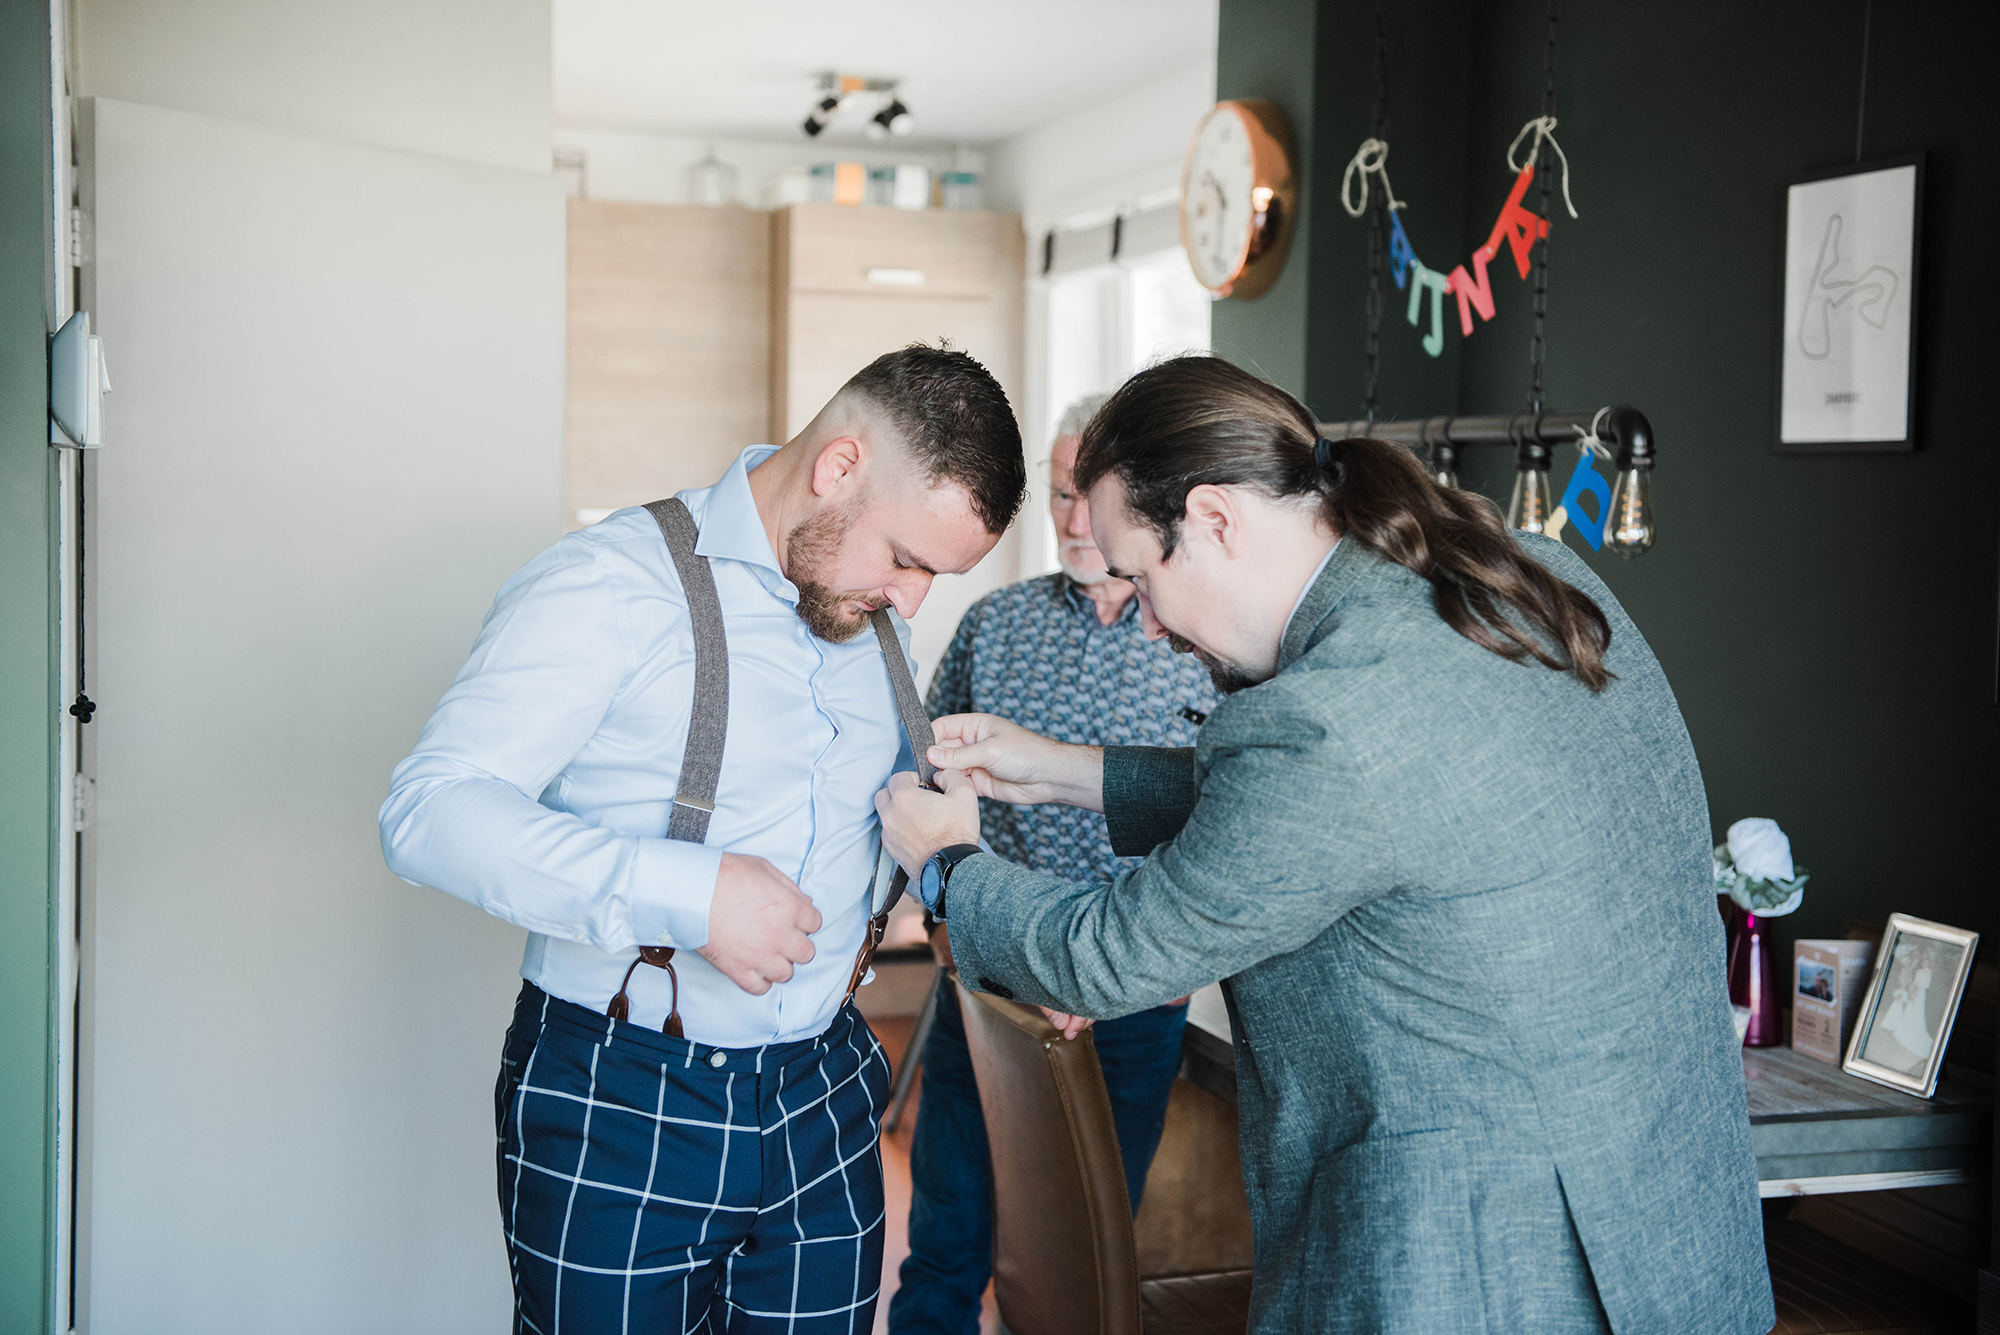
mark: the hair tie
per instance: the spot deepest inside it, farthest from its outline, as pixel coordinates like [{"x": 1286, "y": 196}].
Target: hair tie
[{"x": 1329, "y": 457}]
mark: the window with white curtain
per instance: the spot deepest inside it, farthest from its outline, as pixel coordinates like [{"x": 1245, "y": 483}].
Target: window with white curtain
[{"x": 1120, "y": 297}]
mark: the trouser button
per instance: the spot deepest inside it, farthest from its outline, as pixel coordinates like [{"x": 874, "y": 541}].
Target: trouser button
[{"x": 716, "y": 1059}]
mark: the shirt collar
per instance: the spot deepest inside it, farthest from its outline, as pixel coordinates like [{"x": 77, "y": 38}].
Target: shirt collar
[
  {"x": 1311, "y": 580},
  {"x": 1338, "y": 574},
  {"x": 731, "y": 528}
]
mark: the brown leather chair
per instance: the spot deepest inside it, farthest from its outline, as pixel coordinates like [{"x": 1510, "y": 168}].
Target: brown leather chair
[{"x": 1063, "y": 1259}]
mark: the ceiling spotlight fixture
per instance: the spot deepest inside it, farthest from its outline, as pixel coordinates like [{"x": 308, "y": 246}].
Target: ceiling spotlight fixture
[
  {"x": 893, "y": 119},
  {"x": 835, "y": 88},
  {"x": 821, "y": 113}
]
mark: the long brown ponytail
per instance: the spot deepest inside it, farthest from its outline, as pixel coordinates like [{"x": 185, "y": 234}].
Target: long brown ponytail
[{"x": 1195, "y": 421}]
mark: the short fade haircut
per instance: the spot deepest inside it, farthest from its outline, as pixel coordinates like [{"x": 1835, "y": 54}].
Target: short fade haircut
[{"x": 955, "y": 419}]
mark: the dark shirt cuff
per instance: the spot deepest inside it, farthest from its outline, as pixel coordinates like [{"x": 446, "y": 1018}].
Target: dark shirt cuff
[{"x": 1149, "y": 792}]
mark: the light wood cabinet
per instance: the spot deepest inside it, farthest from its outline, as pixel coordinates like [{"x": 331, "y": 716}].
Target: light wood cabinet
[
  {"x": 829, "y": 318},
  {"x": 669, "y": 348},
  {"x": 696, "y": 332}
]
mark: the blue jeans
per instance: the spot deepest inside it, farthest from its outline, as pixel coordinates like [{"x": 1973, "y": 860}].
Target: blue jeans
[{"x": 951, "y": 1178}]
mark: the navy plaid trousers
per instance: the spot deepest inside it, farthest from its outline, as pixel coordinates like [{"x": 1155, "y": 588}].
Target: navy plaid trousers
[{"x": 652, "y": 1184}]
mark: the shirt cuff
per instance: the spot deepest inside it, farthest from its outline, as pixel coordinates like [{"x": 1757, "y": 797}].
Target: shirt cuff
[
  {"x": 1149, "y": 792},
  {"x": 673, "y": 884}
]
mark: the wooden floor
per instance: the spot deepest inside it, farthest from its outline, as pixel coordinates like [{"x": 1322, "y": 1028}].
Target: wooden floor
[{"x": 895, "y": 1036}]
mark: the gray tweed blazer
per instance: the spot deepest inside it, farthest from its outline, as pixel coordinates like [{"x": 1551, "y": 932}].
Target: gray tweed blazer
[{"x": 1486, "y": 1069}]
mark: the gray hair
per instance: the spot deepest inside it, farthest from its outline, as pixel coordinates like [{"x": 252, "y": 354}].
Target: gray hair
[{"x": 1075, "y": 417}]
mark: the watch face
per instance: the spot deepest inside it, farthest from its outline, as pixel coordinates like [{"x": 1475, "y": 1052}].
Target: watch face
[
  {"x": 1217, "y": 220},
  {"x": 929, "y": 883}
]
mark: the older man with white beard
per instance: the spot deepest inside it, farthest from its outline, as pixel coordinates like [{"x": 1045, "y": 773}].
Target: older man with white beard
[{"x": 1068, "y": 651}]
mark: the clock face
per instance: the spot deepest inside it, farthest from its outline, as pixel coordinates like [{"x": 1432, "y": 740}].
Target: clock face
[{"x": 1218, "y": 221}]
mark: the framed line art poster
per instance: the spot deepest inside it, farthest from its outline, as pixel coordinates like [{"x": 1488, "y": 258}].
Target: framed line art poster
[
  {"x": 1847, "y": 328},
  {"x": 1906, "y": 1015}
]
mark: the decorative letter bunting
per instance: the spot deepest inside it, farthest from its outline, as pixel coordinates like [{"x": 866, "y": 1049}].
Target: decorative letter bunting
[{"x": 1516, "y": 227}]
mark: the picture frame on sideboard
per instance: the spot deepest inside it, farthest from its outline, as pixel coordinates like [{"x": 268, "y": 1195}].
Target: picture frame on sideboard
[{"x": 1906, "y": 1016}]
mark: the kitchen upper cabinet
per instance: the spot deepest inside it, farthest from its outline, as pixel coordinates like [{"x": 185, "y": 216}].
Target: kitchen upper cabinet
[
  {"x": 696, "y": 332},
  {"x": 669, "y": 348},
  {"x": 849, "y": 284}
]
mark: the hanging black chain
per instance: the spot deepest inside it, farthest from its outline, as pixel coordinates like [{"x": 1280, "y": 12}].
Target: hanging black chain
[
  {"x": 1378, "y": 218},
  {"x": 1537, "y": 347},
  {"x": 84, "y": 706}
]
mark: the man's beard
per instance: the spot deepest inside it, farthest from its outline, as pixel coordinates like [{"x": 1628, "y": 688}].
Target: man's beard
[
  {"x": 1076, "y": 573},
  {"x": 1228, "y": 678},
  {"x": 812, "y": 547}
]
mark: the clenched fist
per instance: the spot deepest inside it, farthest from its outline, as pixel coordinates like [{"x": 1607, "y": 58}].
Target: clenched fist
[{"x": 759, "y": 924}]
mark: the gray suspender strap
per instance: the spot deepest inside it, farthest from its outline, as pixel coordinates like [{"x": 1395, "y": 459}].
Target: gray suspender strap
[
  {"x": 917, "y": 730},
  {"x": 708, "y": 721},
  {"x": 708, "y": 728},
  {"x": 708, "y": 725},
  {"x": 909, "y": 705}
]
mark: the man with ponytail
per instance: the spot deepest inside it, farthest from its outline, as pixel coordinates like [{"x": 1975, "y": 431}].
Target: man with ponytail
[{"x": 1445, "y": 843}]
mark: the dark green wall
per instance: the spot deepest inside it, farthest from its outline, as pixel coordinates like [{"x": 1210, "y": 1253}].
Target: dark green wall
[
  {"x": 1828, "y": 622},
  {"x": 27, "y": 674}
]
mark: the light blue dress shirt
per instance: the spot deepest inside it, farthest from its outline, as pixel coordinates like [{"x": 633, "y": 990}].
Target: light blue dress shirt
[{"x": 541, "y": 787}]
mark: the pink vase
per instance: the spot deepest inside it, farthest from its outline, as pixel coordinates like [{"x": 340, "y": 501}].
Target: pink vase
[{"x": 1753, "y": 978}]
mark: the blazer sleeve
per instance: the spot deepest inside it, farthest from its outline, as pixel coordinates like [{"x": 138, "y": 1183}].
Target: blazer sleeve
[
  {"x": 1284, "y": 837},
  {"x": 1149, "y": 793}
]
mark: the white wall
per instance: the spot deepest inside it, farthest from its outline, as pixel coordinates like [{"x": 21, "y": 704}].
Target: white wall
[
  {"x": 459, "y": 78},
  {"x": 653, "y": 168},
  {"x": 1126, "y": 149},
  {"x": 337, "y": 428}
]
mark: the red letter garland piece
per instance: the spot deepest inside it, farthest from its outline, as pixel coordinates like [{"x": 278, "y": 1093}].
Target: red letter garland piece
[
  {"x": 1520, "y": 227},
  {"x": 1472, "y": 294}
]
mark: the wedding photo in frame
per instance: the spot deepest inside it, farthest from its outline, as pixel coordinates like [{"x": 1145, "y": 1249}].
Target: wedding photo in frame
[
  {"x": 1847, "y": 325},
  {"x": 1906, "y": 1016}
]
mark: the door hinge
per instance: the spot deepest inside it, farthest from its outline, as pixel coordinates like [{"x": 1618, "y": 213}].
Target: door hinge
[
  {"x": 86, "y": 803},
  {"x": 77, "y": 231}
]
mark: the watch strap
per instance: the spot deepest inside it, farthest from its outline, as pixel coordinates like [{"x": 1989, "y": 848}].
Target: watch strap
[{"x": 947, "y": 860}]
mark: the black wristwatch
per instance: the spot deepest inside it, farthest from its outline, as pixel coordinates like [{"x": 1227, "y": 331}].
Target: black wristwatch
[{"x": 937, "y": 876}]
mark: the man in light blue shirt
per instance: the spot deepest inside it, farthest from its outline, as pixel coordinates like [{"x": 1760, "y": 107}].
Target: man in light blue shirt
[{"x": 726, "y": 1169}]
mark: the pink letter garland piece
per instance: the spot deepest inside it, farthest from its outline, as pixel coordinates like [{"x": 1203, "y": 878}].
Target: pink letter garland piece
[{"x": 1471, "y": 294}]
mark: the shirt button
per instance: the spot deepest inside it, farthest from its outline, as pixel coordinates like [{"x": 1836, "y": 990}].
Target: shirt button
[{"x": 717, "y": 1060}]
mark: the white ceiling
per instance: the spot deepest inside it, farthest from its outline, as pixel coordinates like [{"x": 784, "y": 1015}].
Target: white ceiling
[{"x": 972, "y": 72}]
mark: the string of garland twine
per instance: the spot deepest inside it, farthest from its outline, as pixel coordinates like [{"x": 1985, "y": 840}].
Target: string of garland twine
[
  {"x": 1372, "y": 158},
  {"x": 1544, "y": 128}
]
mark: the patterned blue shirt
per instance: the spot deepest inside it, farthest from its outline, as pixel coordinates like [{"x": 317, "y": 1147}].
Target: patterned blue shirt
[{"x": 1035, "y": 652}]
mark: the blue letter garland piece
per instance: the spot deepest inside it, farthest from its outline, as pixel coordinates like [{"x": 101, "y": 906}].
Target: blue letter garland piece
[
  {"x": 1421, "y": 278},
  {"x": 1585, "y": 478},
  {"x": 1401, "y": 254}
]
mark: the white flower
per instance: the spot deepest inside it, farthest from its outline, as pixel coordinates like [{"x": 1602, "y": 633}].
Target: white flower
[{"x": 1760, "y": 849}]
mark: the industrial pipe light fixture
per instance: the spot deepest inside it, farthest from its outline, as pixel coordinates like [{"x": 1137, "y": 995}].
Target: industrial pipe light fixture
[{"x": 1621, "y": 430}]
